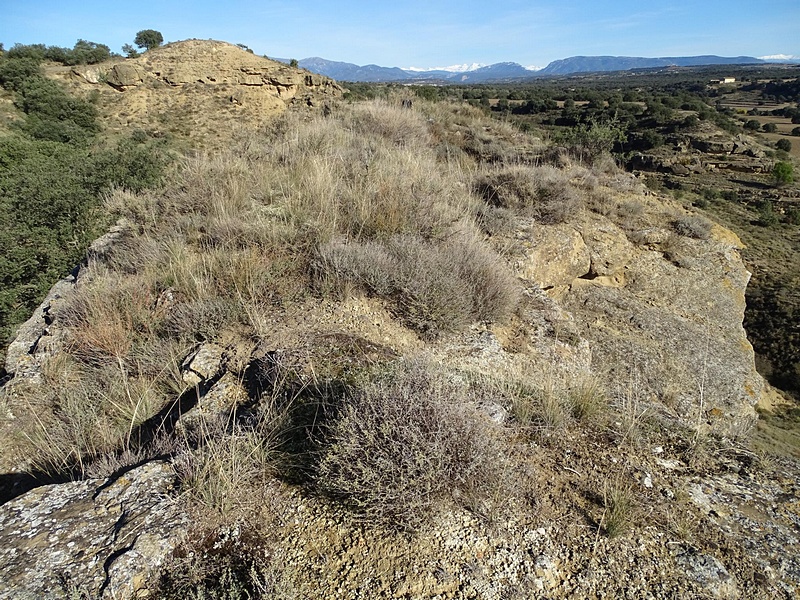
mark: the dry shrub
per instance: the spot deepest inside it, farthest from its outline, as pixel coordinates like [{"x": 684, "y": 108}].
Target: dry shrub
[
  {"x": 435, "y": 286},
  {"x": 544, "y": 193},
  {"x": 601, "y": 202},
  {"x": 692, "y": 226},
  {"x": 495, "y": 220},
  {"x": 406, "y": 442},
  {"x": 225, "y": 561}
]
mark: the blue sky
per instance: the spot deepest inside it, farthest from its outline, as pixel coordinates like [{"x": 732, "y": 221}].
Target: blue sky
[{"x": 408, "y": 33}]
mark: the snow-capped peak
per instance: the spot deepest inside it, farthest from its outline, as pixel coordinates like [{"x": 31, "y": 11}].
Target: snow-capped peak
[
  {"x": 786, "y": 57},
  {"x": 451, "y": 69}
]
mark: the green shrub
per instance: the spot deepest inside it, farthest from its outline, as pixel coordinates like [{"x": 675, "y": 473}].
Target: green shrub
[
  {"x": 767, "y": 217},
  {"x": 590, "y": 141},
  {"x": 13, "y": 73},
  {"x": 783, "y": 173},
  {"x": 784, "y": 145}
]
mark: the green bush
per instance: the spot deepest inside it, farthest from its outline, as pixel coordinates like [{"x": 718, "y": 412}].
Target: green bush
[
  {"x": 83, "y": 53},
  {"x": 49, "y": 199},
  {"x": 783, "y": 173},
  {"x": 784, "y": 145},
  {"x": 54, "y": 115},
  {"x": 590, "y": 141},
  {"x": 767, "y": 217},
  {"x": 14, "y": 73}
]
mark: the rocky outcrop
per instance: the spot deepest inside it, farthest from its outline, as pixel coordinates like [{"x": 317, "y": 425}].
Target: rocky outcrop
[
  {"x": 125, "y": 75},
  {"x": 89, "y": 539},
  {"x": 214, "y": 63},
  {"x": 556, "y": 256},
  {"x": 665, "y": 320},
  {"x": 662, "y": 316},
  {"x": 202, "y": 90},
  {"x": 699, "y": 152}
]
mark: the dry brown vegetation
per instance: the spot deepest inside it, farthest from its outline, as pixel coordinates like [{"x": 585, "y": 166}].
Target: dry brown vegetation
[{"x": 407, "y": 208}]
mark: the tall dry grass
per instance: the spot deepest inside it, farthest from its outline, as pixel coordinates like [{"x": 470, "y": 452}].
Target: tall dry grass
[{"x": 362, "y": 201}]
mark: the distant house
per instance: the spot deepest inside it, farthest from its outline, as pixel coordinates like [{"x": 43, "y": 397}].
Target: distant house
[{"x": 723, "y": 81}]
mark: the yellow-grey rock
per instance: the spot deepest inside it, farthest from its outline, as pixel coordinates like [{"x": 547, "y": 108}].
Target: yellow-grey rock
[{"x": 94, "y": 536}]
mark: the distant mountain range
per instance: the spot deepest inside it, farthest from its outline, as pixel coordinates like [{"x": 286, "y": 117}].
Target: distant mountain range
[
  {"x": 343, "y": 71},
  {"x": 510, "y": 71},
  {"x": 591, "y": 64}
]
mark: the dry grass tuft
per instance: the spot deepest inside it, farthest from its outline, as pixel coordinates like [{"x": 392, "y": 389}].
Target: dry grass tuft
[
  {"x": 544, "y": 193},
  {"x": 586, "y": 398},
  {"x": 618, "y": 505}
]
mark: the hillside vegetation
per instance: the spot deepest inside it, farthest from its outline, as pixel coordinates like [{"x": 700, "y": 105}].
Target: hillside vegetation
[
  {"x": 54, "y": 169},
  {"x": 376, "y": 350}
]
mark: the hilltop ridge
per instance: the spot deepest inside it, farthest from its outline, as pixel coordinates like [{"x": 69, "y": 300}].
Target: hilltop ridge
[{"x": 201, "y": 90}]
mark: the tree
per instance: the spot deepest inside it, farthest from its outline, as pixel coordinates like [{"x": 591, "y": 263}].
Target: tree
[
  {"x": 294, "y": 64},
  {"x": 769, "y": 127},
  {"x": 796, "y": 131},
  {"x": 149, "y": 39},
  {"x": 88, "y": 53},
  {"x": 782, "y": 173},
  {"x": 752, "y": 125},
  {"x": 130, "y": 51},
  {"x": 784, "y": 145}
]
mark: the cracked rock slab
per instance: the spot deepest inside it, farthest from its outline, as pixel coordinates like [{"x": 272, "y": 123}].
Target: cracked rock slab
[{"x": 99, "y": 538}]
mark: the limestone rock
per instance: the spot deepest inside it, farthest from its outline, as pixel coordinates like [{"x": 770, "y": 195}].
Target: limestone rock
[
  {"x": 216, "y": 407},
  {"x": 35, "y": 341},
  {"x": 713, "y": 145},
  {"x": 681, "y": 325},
  {"x": 203, "y": 364},
  {"x": 609, "y": 248},
  {"x": 89, "y": 73},
  {"x": 710, "y": 572},
  {"x": 94, "y": 538},
  {"x": 557, "y": 255},
  {"x": 125, "y": 75}
]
